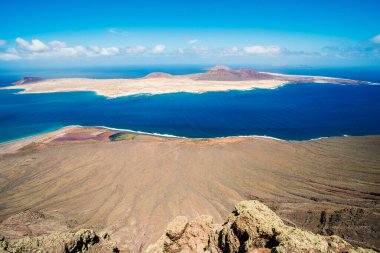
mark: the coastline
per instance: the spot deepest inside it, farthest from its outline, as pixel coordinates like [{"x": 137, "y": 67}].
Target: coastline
[
  {"x": 136, "y": 100},
  {"x": 114, "y": 88},
  {"x": 51, "y": 134}
]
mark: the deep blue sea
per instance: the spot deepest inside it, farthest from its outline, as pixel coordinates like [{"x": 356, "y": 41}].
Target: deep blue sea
[{"x": 291, "y": 112}]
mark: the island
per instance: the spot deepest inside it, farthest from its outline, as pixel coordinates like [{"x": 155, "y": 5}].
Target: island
[{"x": 216, "y": 79}]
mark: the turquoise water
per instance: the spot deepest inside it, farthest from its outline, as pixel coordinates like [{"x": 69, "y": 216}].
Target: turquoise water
[{"x": 291, "y": 112}]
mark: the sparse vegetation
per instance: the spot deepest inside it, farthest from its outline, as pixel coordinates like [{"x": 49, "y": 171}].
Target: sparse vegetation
[{"x": 122, "y": 136}]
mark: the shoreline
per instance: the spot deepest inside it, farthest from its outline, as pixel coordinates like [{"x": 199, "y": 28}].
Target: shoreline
[
  {"x": 23, "y": 90},
  {"x": 50, "y": 133}
]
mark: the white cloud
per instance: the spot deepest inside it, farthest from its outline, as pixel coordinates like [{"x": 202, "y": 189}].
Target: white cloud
[
  {"x": 104, "y": 51},
  {"x": 57, "y": 43},
  {"x": 193, "y": 41},
  {"x": 262, "y": 50},
  {"x": 118, "y": 31},
  {"x": 70, "y": 51},
  {"x": 35, "y": 45},
  {"x": 8, "y": 57},
  {"x": 158, "y": 49},
  {"x": 3, "y": 42},
  {"x": 37, "y": 49},
  {"x": 110, "y": 51},
  {"x": 135, "y": 50},
  {"x": 92, "y": 51},
  {"x": 376, "y": 39}
]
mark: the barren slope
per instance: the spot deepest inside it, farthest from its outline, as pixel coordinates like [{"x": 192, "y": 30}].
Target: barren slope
[{"x": 133, "y": 188}]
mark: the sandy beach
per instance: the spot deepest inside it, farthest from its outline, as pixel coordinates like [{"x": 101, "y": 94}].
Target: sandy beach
[
  {"x": 161, "y": 83},
  {"x": 133, "y": 185}
]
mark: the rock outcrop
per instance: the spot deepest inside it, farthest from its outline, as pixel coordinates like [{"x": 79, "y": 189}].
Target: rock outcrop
[
  {"x": 184, "y": 236},
  {"x": 158, "y": 75},
  {"x": 27, "y": 80},
  {"x": 252, "y": 227},
  {"x": 84, "y": 240}
]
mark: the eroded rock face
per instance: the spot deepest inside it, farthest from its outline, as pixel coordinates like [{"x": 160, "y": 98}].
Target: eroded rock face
[
  {"x": 252, "y": 227},
  {"x": 184, "y": 236},
  {"x": 66, "y": 242}
]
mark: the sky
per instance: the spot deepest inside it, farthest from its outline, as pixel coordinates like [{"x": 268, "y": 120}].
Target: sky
[{"x": 68, "y": 33}]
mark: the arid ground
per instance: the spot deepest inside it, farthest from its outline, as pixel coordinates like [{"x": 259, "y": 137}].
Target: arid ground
[{"x": 133, "y": 185}]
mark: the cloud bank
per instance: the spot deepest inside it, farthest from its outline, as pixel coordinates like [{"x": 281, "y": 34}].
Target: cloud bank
[
  {"x": 158, "y": 49},
  {"x": 34, "y": 46},
  {"x": 262, "y": 49},
  {"x": 23, "y": 49},
  {"x": 376, "y": 39}
]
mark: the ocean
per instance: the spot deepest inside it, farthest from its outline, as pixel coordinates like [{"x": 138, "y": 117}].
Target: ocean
[{"x": 290, "y": 112}]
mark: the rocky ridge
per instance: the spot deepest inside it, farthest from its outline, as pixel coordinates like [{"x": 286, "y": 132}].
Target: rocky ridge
[
  {"x": 252, "y": 227},
  {"x": 84, "y": 240}
]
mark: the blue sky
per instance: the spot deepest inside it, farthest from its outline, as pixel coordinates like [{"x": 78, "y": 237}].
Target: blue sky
[{"x": 84, "y": 33}]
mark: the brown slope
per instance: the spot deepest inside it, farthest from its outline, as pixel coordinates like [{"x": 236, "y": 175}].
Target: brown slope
[
  {"x": 134, "y": 188},
  {"x": 27, "y": 80}
]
